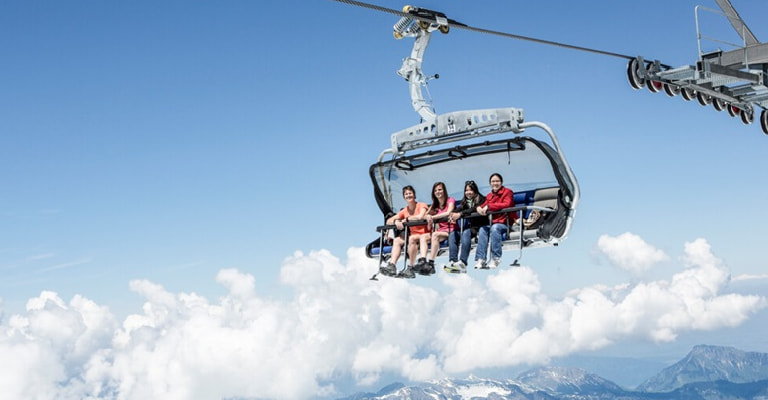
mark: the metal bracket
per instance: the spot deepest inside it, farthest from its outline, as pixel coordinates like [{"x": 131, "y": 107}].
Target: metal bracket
[{"x": 458, "y": 125}]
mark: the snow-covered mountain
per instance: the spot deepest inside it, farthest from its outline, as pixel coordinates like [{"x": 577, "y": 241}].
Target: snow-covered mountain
[
  {"x": 706, "y": 373},
  {"x": 710, "y": 364},
  {"x": 564, "y": 380},
  {"x": 459, "y": 389}
]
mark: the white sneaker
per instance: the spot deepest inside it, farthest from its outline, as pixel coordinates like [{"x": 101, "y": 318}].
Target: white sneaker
[
  {"x": 453, "y": 267},
  {"x": 480, "y": 264},
  {"x": 495, "y": 262},
  {"x": 460, "y": 266}
]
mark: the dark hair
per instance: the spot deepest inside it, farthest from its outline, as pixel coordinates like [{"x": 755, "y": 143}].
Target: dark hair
[
  {"x": 496, "y": 174},
  {"x": 409, "y": 187},
  {"x": 472, "y": 185},
  {"x": 435, "y": 201}
]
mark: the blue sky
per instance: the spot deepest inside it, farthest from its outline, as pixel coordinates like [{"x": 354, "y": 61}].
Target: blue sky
[{"x": 156, "y": 145}]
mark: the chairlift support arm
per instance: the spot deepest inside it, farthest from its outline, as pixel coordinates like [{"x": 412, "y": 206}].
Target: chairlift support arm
[{"x": 411, "y": 68}]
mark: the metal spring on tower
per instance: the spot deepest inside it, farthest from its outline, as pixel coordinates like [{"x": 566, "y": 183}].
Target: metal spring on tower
[{"x": 402, "y": 24}]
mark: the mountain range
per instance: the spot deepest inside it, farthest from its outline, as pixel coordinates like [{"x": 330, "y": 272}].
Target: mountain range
[{"x": 705, "y": 373}]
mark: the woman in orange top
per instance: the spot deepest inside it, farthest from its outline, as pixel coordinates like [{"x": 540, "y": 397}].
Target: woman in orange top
[{"x": 417, "y": 237}]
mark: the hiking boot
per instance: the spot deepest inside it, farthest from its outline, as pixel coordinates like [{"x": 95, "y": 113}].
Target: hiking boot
[
  {"x": 388, "y": 269},
  {"x": 495, "y": 262},
  {"x": 421, "y": 263},
  {"x": 480, "y": 264},
  {"x": 407, "y": 273},
  {"x": 428, "y": 269}
]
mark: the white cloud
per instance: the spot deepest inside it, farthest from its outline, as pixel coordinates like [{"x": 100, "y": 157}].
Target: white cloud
[
  {"x": 630, "y": 252},
  {"x": 50, "y": 345},
  {"x": 749, "y": 277},
  {"x": 340, "y": 324}
]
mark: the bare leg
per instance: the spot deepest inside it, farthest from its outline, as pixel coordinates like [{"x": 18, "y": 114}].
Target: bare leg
[
  {"x": 437, "y": 237},
  {"x": 413, "y": 245},
  {"x": 423, "y": 243},
  {"x": 397, "y": 248}
]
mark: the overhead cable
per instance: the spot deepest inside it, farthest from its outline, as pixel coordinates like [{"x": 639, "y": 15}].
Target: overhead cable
[{"x": 487, "y": 31}]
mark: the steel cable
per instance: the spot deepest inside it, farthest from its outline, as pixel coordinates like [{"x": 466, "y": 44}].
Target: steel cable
[{"x": 457, "y": 25}]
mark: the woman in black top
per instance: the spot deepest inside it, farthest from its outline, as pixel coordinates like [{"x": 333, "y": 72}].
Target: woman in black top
[{"x": 468, "y": 228}]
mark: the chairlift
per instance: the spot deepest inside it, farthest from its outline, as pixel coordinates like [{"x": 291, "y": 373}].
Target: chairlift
[{"x": 471, "y": 145}]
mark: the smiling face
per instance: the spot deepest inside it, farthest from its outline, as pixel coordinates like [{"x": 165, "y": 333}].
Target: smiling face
[
  {"x": 469, "y": 192},
  {"x": 439, "y": 195},
  {"x": 496, "y": 182},
  {"x": 439, "y": 192},
  {"x": 409, "y": 196}
]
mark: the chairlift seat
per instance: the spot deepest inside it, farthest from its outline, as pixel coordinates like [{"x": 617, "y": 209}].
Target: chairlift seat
[{"x": 541, "y": 198}]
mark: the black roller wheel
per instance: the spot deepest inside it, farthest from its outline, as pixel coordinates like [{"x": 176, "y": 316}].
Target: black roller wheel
[
  {"x": 718, "y": 103},
  {"x": 747, "y": 116},
  {"x": 655, "y": 86},
  {"x": 764, "y": 121},
  {"x": 703, "y": 98},
  {"x": 671, "y": 90},
  {"x": 688, "y": 94},
  {"x": 733, "y": 110},
  {"x": 444, "y": 28},
  {"x": 633, "y": 69}
]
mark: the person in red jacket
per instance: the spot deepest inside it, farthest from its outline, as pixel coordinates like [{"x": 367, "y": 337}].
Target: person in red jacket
[{"x": 499, "y": 199}]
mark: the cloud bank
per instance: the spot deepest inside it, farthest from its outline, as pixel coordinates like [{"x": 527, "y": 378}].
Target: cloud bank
[
  {"x": 630, "y": 252},
  {"x": 339, "y": 324}
]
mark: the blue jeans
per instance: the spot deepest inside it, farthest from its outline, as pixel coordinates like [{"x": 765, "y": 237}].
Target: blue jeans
[
  {"x": 495, "y": 231},
  {"x": 456, "y": 238}
]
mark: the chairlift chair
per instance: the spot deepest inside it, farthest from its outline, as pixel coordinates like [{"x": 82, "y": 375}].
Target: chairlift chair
[{"x": 470, "y": 145}]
